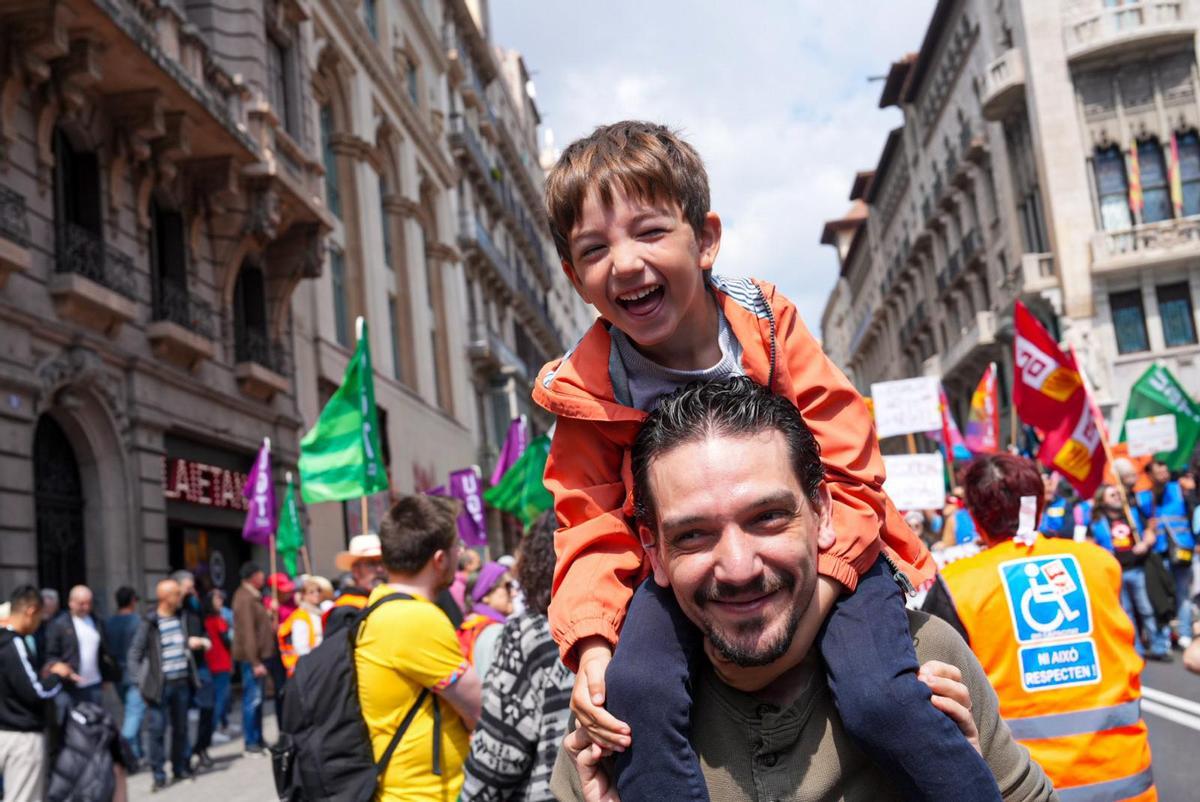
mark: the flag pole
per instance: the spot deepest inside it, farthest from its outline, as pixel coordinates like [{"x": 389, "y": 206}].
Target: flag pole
[
  {"x": 1102, "y": 430},
  {"x": 359, "y": 322}
]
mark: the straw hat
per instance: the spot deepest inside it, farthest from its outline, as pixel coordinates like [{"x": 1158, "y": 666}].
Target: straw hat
[{"x": 362, "y": 547}]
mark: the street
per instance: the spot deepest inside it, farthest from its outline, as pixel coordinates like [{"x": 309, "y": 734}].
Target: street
[{"x": 1171, "y": 707}]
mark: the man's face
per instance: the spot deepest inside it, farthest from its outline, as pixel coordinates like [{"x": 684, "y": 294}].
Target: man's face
[
  {"x": 449, "y": 564},
  {"x": 80, "y": 602},
  {"x": 368, "y": 573},
  {"x": 187, "y": 585},
  {"x": 640, "y": 264},
  {"x": 1160, "y": 474},
  {"x": 257, "y": 580},
  {"x": 737, "y": 541}
]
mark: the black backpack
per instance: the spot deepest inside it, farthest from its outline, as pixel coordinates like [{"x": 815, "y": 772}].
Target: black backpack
[{"x": 324, "y": 751}]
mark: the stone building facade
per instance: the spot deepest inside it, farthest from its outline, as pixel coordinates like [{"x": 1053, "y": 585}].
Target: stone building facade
[
  {"x": 196, "y": 203},
  {"x": 1026, "y": 124},
  {"x": 154, "y": 223}
]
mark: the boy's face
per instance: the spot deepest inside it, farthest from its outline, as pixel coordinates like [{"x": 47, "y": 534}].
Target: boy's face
[{"x": 640, "y": 264}]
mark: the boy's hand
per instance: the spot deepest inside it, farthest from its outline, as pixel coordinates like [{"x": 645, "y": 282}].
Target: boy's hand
[
  {"x": 586, "y": 756},
  {"x": 587, "y": 700},
  {"x": 950, "y": 695}
]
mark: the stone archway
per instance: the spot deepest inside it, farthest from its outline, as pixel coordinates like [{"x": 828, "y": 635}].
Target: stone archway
[{"x": 59, "y": 504}]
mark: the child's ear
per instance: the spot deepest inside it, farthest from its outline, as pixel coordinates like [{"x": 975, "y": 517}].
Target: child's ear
[
  {"x": 573, "y": 277},
  {"x": 650, "y": 546},
  {"x": 710, "y": 240}
]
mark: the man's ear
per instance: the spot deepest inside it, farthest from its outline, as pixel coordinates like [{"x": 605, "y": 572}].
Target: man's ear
[
  {"x": 650, "y": 546},
  {"x": 825, "y": 534}
]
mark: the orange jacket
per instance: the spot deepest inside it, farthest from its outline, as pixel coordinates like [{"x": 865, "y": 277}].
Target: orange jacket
[
  {"x": 287, "y": 651},
  {"x": 1047, "y": 625},
  {"x": 600, "y": 560}
]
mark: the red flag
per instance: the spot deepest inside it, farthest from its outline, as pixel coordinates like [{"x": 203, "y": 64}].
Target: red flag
[
  {"x": 1046, "y": 385},
  {"x": 1075, "y": 451},
  {"x": 983, "y": 421}
]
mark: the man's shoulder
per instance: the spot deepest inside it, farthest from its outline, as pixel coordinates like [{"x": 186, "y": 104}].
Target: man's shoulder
[{"x": 934, "y": 639}]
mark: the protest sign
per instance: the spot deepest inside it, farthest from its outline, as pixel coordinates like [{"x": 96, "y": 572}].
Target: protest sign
[
  {"x": 1153, "y": 435},
  {"x": 915, "y": 481},
  {"x": 906, "y": 406}
]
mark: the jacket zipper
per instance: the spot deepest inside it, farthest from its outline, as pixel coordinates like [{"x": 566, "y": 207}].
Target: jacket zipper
[{"x": 771, "y": 322}]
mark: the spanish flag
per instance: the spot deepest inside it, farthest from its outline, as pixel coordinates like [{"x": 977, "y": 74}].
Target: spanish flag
[
  {"x": 1176, "y": 179},
  {"x": 1136, "y": 201}
]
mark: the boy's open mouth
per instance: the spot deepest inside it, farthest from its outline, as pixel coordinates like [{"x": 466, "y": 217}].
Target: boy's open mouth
[{"x": 643, "y": 301}]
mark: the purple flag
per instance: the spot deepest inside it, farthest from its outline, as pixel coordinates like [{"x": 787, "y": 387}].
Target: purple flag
[
  {"x": 464, "y": 485},
  {"x": 260, "y": 498},
  {"x": 514, "y": 445}
]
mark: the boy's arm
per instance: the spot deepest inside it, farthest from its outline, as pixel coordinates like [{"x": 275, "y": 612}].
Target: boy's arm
[
  {"x": 841, "y": 422},
  {"x": 599, "y": 556}
]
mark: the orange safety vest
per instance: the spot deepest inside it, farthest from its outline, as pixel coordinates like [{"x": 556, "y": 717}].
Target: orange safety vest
[
  {"x": 470, "y": 630},
  {"x": 287, "y": 652},
  {"x": 1047, "y": 625}
]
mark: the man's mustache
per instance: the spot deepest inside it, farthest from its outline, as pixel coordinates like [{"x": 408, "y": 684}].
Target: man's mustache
[{"x": 717, "y": 591}]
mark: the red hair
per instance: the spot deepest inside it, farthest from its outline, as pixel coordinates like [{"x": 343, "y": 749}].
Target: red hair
[{"x": 995, "y": 485}]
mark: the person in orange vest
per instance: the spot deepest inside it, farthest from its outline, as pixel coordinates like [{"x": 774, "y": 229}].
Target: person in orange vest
[
  {"x": 1044, "y": 617},
  {"x": 301, "y": 632},
  {"x": 362, "y": 559},
  {"x": 491, "y": 597}
]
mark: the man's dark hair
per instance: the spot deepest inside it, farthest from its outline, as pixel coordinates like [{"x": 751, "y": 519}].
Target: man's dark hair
[
  {"x": 535, "y": 563},
  {"x": 414, "y": 529},
  {"x": 1154, "y": 463},
  {"x": 125, "y": 596},
  {"x": 248, "y": 570},
  {"x": 734, "y": 406},
  {"x": 24, "y": 597}
]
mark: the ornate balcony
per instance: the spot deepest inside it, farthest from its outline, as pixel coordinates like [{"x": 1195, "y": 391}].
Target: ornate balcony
[
  {"x": 95, "y": 284},
  {"x": 1149, "y": 245},
  {"x": 979, "y": 331},
  {"x": 1037, "y": 272},
  {"x": 261, "y": 367},
  {"x": 1004, "y": 85},
  {"x": 1103, "y": 30},
  {"x": 489, "y": 353},
  {"x": 14, "y": 234},
  {"x": 182, "y": 330}
]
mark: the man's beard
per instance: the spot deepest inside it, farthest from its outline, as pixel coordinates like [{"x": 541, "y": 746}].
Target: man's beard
[{"x": 738, "y": 653}]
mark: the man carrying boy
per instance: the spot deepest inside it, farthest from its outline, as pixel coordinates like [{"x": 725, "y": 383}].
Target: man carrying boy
[{"x": 629, "y": 211}]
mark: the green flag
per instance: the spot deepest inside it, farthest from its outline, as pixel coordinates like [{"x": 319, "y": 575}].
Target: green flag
[
  {"x": 340, "y": 457},
  {"x": 290, "y": 537},
  {"x": 1158, "y": 392},
  {"x": 521, "y": 491}
]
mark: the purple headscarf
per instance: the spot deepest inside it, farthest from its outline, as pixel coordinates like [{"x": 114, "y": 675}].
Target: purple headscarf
[{"x": 489, "y": 575}]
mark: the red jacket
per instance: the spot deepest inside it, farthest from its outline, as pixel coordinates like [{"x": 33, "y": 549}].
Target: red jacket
[
  {"x": 218, "y": 657},
  {"x": 600, "y": 560}
]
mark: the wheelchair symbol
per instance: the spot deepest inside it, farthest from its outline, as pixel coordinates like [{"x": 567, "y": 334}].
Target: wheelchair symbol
[{"x": 1044, "y": 593}]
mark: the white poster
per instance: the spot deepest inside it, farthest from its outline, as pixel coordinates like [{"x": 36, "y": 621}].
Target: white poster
[
  {"x": 915, "y": 481},
  {"x": 905, "y": 406},
  {"x": 1152, "y": 435}
]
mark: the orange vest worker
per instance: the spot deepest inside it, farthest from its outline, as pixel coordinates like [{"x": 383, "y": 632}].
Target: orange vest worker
[
  {"x": 1046, "y": 622},
  {"x": 287, "y": 652}
]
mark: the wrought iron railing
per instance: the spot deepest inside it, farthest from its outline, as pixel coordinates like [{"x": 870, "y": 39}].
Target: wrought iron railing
[
  {"x": 173, "y": 302},
  {"x": 84, "y": 253},
  {"x": 253, "y": 345},
  {"x": 14, "y": 225}
]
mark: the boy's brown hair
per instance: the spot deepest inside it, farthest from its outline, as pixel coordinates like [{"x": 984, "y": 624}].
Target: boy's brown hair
[
  {"x": 414, "y": 529},
  {"x": 645, "y": 160}
]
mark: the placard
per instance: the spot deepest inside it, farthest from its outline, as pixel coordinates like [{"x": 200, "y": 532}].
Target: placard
[
  {"x": 907, "y": 406},
  {"x": 915, "y": 481},
  {"x": 1153, "y": 435}
]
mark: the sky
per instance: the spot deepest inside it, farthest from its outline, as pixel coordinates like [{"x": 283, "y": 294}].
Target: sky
[{"x": 776, "y": 98}]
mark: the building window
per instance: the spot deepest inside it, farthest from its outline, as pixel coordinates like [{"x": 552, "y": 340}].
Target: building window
[
  {"x": 397, "y": 363},
  {"x": 1156, "y": 194},
  {"x": 250, "y": 317},
  {"x": 371, "y": 18},
  {"x": 385, "y": 223},
  {"x": 337, "y": 275},
  {"x": 1175, "y": 311},
  {"x": 279, "y": 82},
  {"x": 1189, "y": 171},
  {"x": 1129, "y": 321},
  {"x": 412, "y": 79},
  {"x": 168, "y": 258},
  {"x": 1113, "y": 188},
  {"x": 333, "y": 198}
]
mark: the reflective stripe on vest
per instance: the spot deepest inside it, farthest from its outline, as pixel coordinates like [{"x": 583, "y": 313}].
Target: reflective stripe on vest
[
  {"x": 1122, "y": 788},
  {"x": 1058, "y": 725}
]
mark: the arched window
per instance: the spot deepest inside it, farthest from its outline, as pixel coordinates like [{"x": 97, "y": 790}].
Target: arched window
[
  {"x": 1189, "y": 171},
  {"x": 333, "y": 196},
  {"x": 58, "y": 499},
  {"x": 1112, "y": 186},
  {"x": 1156, "y": 195}
]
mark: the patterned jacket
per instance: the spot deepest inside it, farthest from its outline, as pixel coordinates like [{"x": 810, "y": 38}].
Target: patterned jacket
[{"x": 525, "y": 697}]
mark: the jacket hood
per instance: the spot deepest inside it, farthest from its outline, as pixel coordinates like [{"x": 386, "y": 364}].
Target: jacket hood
[{"x": 586, "y": 382}]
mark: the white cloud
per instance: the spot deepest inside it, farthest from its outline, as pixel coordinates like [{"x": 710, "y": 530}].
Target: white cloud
[{"x": 775, "y": 98}]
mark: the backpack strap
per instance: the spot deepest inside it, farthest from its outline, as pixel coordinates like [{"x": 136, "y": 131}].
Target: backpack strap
[
  {"x": 362, "y": 617},
  {"x": 382, "y": 763}
]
